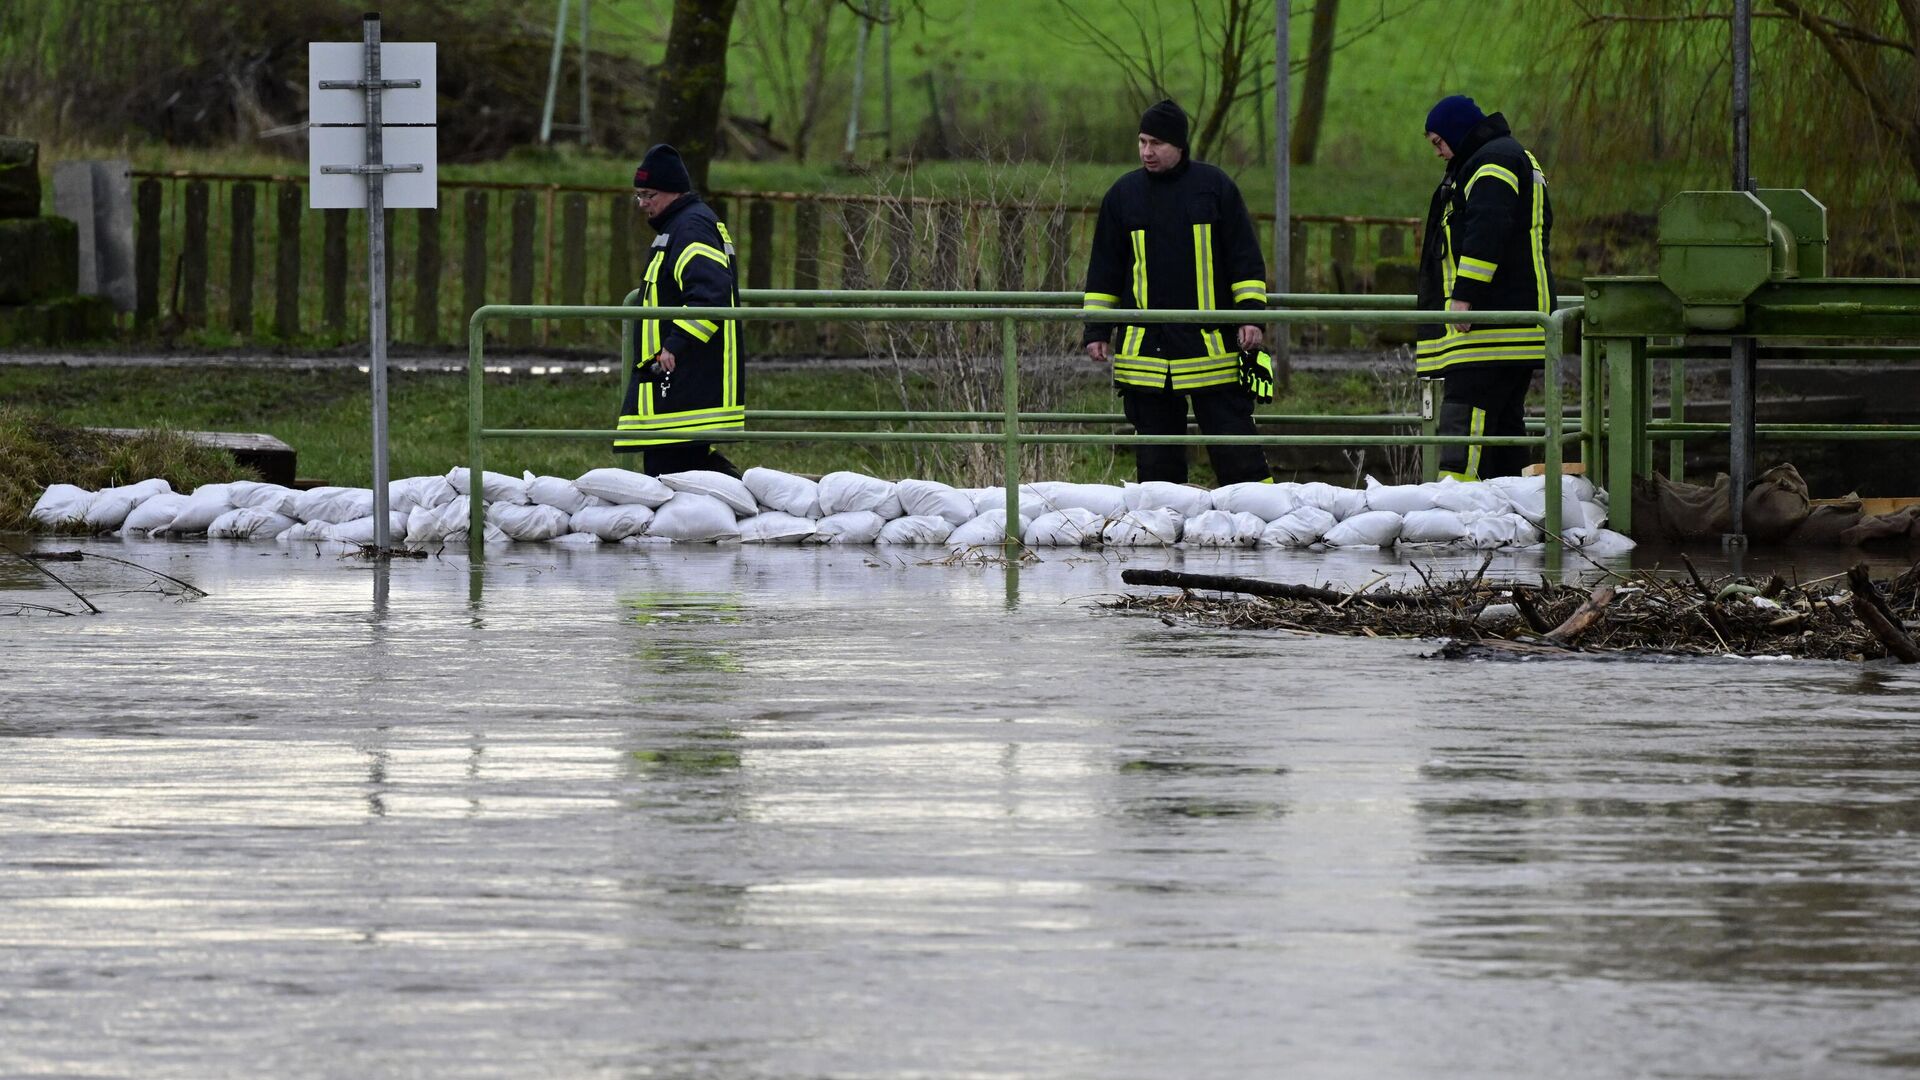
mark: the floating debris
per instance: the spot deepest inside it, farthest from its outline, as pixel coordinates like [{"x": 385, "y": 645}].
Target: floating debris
[{"x": 1640, "y": 613}]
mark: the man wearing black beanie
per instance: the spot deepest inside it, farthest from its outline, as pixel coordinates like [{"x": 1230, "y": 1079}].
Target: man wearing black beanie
[
  {"x": 688, "y": 377},
  {"x": 1175, "y": 235}
]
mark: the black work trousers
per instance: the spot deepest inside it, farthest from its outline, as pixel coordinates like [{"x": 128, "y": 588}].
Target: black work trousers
[
  {"x": 1227, "y": 410},
  {"x": 1485, "y": 399},
  {"x": 686, "y": 457}
]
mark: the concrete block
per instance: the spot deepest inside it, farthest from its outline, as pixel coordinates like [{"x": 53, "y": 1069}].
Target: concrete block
[
  {"x": 97, "y": 196},
  {"x": 39, "y": 259},
  {"x": 19, "y": 177}
]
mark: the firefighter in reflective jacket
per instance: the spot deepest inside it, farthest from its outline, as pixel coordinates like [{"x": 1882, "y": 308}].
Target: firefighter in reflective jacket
[
  {"x": 1175, "y": 234},
  {"x": 687, "y": 375},
  {"x": 1485, "y": 248}
]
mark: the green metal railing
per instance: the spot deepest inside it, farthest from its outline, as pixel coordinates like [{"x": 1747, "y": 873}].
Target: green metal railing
[{"x": 1011, "y": 434}]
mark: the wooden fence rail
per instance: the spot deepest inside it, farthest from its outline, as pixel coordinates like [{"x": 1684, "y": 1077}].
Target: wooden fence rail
[{"x": 568, "y": 244}]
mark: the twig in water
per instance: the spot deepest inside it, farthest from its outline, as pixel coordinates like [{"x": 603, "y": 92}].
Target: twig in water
[
  {"x": 55, "y": 577},
  {"x": 148, "y": 569}
]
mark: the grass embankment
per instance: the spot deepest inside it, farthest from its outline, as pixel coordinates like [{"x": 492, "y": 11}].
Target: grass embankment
[
  {"x": 323, "y": 415},
  {"x": 37, "y": 450}
]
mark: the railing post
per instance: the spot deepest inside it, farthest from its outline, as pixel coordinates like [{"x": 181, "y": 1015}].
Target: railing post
[
  {"x": 1676, "y": 413},
  {"x": 1621, "y": 434},
  {"x": 476, "y": 465},
  {"x": 1010, "y": 447},
  {"x": 1554, "y": 421}
]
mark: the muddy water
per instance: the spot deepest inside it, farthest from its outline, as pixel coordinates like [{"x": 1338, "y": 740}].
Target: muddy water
[{"x": 808, "y": 813}]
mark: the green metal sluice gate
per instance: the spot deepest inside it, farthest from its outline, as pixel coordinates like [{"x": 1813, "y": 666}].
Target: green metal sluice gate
[{"x": 1010, "y": 433}]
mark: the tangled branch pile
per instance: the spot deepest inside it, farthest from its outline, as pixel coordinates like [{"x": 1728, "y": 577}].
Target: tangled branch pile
[{"x": 1643, "y": 613}]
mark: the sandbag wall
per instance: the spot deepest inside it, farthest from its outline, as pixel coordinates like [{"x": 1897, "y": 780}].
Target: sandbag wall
[{"x": 767, "y": 506}]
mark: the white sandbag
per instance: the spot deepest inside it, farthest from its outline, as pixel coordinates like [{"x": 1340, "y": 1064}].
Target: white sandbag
[
  {"x": 307, "y": 530},
  {"x": 1528, "y": 497},
  {"x": 1432, "y": 527},
  {"x": 1593, "y": 515},
  {"x": 1211, "y": 529},
  {"x": 247, "y": 524},
  {"x": 579, "y": 539},
  {"x": 915, "y": 529},
  {"x": 1468, "y": 497},
  {"x": 776, "y": 527},
  {"x": 110, "y": 507},
  {"x": 1032, "y": 504},
  {"x": 1581, "y": 487},
  {"x": 153, "y": 514},
  {"x": 62, "y": 504},
  {"x": 207, "y": 503},
  {"x": 494, "y": 487},
  {"x": 360, "y": 530},
  {"x": 1595, "y": 541},
  {"x": 1268, "y": 502},
  {"x": 1499, "y": 530},
  {"x": 1158, "y": 526},
  {"x": 844, "y": 491},
  {"x": 425, "y": 525},
  {"x": 530, "y": 522},
  {"x": 491, "y": 534},
  {"x": 1247, "y": 529},
  {"x": 783, "y": 491},
  {"x": 1300, "y": 527},
  {"x": 1372, "y": 528},
  {"x": 449, "y": 520},
  {"x": 612, "y": 523},
  {"x": 1072, "y": 527},
  {"x": 930, "y": 498},
  {"x": 428, "y": 491},
  {"x": 716, "y": 485},
  {"x": 989, "y": 528},
  {"x": 334, "y": 504},
  {"x": 624, "y": 487},
  {"x": 559, "y": 493},
  {"x": 692, "y": 517},
  {"x": 1154, "y": 494},
  {"x": 1402, "y": 499},
  {"x": 1342, "y": 503},
  {"x": 849, "y": 527},
  {"x": 1106, "y": 500},
  {"x": 254, "y": 495}
]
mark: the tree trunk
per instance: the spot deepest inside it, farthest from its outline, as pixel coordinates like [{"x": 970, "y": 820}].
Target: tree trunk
[
  {"x": 694, "y": 81},
  {"x": 816, "y": 80},
  {"x": 1313, "y": 92}
]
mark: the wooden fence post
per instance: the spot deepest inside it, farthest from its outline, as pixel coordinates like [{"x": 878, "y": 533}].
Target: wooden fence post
[
  {"x": 620, "y": 249},
  {"x": 146, "y": 256},
  {"x": 1345, "y": 280},
  {"x": 855, "y": 223},
  {"x": 473, "y": 258},
  {"x": 194, "y": 247},
  {"x": 286, "y": 272},
  {"x": 1297, "y": 270},
  {"x": 759, "y": 267},
  {"x": 900, "y": 244},
  {"x": 806, "y": 271},
  {"x": 240, "y": 260},
  {"x": 573, "y": 261},
  {"x": 1059, "y": 252},
  {"x": 520, "y": 266},
  {"x": 1393, "y": 242},
  {"x": 426, "y": 278},
  {"x": 333, "y": 271},
  {"x": 952, "y": 225}
]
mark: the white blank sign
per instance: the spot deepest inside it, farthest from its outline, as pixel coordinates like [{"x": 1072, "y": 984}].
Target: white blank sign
[
  {"x": 345, "y": 61},
  {"x": 348, "y": 146}
]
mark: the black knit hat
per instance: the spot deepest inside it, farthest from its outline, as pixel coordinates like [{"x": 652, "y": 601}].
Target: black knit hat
[
  {"x": 1165, "y": 122},
  {"x": 662, "y": 170}
]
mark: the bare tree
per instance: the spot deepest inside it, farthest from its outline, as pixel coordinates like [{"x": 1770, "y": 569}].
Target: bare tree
[
  {"x": 694, "y": 81},
  {"x": 1313, "y": 93},
  {"x": 792, "y": 41}
]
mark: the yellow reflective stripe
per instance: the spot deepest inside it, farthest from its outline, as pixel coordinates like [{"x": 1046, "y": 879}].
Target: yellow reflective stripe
[
  {"x": 687, "y": 254},
  {"x": 1537, "y": 236},
  {"x": 1446, "y": 255},
  {"x": 698, "y": 328},
  {"x": 1100, "y": 300},
  {"x": 1131, "y": 340},
  {"x": 730, "y": 368},
  {"x": 1477, "y": 269},
  {"x": 1476, "y": 429},
  {"x": 1139, "y": 237},
  {"x": 1203, "y": 285},
  {"x": 1498, "y": 172},
  {"x": 1252, "y": 289},
  {"x": 731, "y": 414}
]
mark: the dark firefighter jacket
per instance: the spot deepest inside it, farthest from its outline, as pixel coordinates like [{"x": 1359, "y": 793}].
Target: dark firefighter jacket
[
  {"x": 1175, "y": 240},
  {"x": 690, "y": 265},
  {"x": 1487, "y": 243}
]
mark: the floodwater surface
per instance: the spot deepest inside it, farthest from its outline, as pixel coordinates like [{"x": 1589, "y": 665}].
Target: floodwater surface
[{"x": 827, "y": 813}]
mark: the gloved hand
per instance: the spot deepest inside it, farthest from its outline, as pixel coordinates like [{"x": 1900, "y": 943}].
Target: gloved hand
[{"x": 1256, "y": 374}]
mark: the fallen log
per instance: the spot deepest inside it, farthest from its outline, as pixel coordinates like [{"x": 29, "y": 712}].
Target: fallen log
[
  {"x": 1591, "y": 611},
  {"x": 1278, "y": 590},
  {"x": 1872, "y": 612}
]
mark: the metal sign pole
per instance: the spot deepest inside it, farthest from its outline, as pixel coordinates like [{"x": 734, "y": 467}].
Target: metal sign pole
[
  {"x": 1743, "y": 369},
  {"x": 377, "y": 280}
]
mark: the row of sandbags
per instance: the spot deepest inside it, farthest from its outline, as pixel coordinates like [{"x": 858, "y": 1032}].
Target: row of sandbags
[{"x": 769, "y": 506}]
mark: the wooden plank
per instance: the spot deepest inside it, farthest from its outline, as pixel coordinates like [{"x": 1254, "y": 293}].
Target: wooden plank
[
  {"x": 1345, "y": 279},
  {"x": 1393, "y": 242},
  {"x": 426, "y": 277},
  {"x": 760, "y": 245},
  {"x": 146, "y": 254},
  {"x": 900, "y": 244},
  {"x": 1059, "y": 252},
  {"x": 520, "y": 265},
  {"x": 241, "y": 199},
  {"x": 945, "y": 272},
  {"x": 855, "y": 224},
  {"x": 806, "y": 245},
  {"x": 573, "y": 255},
  {"x": 333, "y": 271},
  {"x": 1297, "y": 270},
  {"x": 286, "y": 272},
  {"x": 1013, "y": 251},
  {"x": 620, "y": 249},
  {"x": 473, "y": 260},
  {"x": 193, "y": 266}
]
